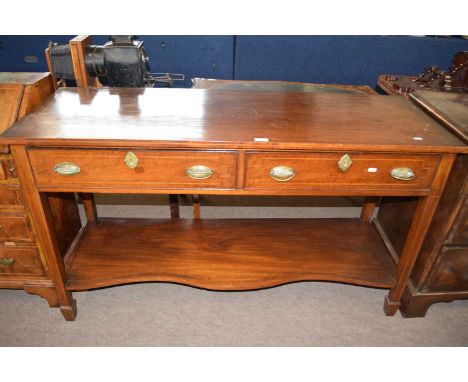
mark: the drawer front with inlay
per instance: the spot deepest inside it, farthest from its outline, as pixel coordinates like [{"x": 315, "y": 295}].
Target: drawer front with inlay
[
  {"x": 134, "y": 168},
  {"x": 10, "y": 197},
  {"x": 20, "y": 260},
  {"x": 15, "y": 228},
  {"x": 296, "y": 171}
]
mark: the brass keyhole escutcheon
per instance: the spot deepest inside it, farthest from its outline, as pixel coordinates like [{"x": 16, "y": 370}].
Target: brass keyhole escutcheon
[
  {"x": 6, "y": 262},
  {"x": 345, "y": 162},
  {"x": 131, "y": 160}
]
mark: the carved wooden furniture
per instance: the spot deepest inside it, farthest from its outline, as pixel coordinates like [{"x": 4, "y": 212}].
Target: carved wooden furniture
[
  {"x": 187, "y": 141},
  {"x": 441, "y": 272},
  {"x": 432, "y": 78},
  {"x": 22, "y": 263}
]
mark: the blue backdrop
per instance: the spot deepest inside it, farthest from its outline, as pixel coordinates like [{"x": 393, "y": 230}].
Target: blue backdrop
[{"x": 321, "y": 59}]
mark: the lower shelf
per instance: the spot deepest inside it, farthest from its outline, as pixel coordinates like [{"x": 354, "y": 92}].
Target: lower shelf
[{"x": 228, "y": 254}]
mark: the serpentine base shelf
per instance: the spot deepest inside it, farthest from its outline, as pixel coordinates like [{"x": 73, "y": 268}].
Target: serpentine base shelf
[{"x": 228, "y": 254}]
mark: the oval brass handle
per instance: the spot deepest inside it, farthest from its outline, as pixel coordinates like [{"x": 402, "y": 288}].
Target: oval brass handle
[
  {"x": 282, "y": 173},
  {"x": 403, "y": 173},
  {"x": 199, "y": 171},
  {"x": 345, "y": 162},
  {"x": 67, "y": 168},
  {"x": 6, "y": 261}
]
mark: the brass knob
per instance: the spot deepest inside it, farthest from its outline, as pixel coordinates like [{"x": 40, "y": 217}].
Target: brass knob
[
  {"x": 131, "y": 160},
  {"x": 6, "y": 262},
  {"x": 199, "y": 171},
  {"x": 345, "y": 162},
  {"x": 403, "y": 173},
  {"x": 66, "y": 168},
  {"x": 282, "y": 173}
]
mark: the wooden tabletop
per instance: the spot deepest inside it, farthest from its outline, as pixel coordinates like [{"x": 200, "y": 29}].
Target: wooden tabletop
[
  {"x": 451, "y": 109},
  {"x": 194, "y": 118}
]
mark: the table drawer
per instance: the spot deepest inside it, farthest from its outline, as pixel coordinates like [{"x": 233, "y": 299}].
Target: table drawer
[
  {"x": 15, "y": 227},
  {"x": 20, "y": 260},
  {"x": 322, "y": 170},
  {"x": 10, "y": 197},
  {"x": 161, "y": 169}
]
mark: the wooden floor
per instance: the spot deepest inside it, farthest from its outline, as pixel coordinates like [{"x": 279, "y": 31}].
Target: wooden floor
[{"x": 228, "y": 254}]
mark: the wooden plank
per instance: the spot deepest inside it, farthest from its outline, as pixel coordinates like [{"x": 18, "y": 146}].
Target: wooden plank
[
  {"x": 228, "y": 254},
  {"x": 77, "y": 50}
]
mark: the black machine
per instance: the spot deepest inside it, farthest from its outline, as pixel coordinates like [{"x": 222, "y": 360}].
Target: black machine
[{"x": 121, "y": 62}]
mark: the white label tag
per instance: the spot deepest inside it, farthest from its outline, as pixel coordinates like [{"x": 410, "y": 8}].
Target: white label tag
[{"x": 261, "y": 140}]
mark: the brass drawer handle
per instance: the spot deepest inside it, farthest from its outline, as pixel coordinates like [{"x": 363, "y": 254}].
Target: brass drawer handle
[
  {"x": 403, "y": 173},
  {"x": 67, "y": 168},
  {"x": 131, "y": 160},
  {"x": 282, "y": 173},
  {"x": 199, "y": 172},
  {"x": 6, "y": 261},
  {"x": 345, "y": 162}
]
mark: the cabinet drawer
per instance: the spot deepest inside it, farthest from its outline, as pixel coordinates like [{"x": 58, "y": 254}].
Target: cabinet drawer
[
  {"x": 321, "y": 170},
  {"x": 15, "y": 227},
  {"x": 10, "y": 197},
  {"x": 20, "y": 261},
  {"x": 151, "y": 168}
]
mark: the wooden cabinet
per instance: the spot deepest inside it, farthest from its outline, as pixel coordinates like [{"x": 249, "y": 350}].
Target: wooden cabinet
[
  {"x": 22, "y": 93},
  {"x": 21, "y": 263},
  {"x": 441, "y": 271},
  {"x": 229, "y": 143}
]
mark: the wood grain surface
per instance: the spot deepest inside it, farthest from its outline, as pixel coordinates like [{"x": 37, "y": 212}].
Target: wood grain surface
[
  {"x": 216, "y": 119},
  {"x": 228, "y": 254}
]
